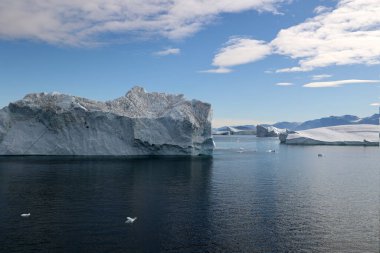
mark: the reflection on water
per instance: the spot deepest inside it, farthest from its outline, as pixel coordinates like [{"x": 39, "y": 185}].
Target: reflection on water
[
  {"x": 245, "y": 199},
  {"x": 82, "y": 204}
]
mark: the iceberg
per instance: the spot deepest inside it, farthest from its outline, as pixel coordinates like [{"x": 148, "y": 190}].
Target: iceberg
[
  {"x": 269, "y": 131},
  {"x": 138, "y": 123},
  {"x": 361, "y": 134},
  {"x": 236, "y": 130}
]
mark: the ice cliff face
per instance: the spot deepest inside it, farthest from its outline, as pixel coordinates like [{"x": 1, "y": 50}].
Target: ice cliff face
[{"x": 138, "y": 123}]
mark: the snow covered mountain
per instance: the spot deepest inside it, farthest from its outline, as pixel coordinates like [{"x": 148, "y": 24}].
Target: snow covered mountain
[
  {"x": 328, "y": 121},
  {"x": 310, "y": 124}
]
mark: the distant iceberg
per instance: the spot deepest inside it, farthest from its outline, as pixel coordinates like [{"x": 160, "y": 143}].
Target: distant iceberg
[
  {"x": 269, "y": 131},
  {"x": 362, "y": 134},
  {"x": 138, "y": 123},
  {"x": 235, "y": 130}
]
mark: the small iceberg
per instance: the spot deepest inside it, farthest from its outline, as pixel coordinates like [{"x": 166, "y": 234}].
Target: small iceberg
[{"x": 130, "y": 220}]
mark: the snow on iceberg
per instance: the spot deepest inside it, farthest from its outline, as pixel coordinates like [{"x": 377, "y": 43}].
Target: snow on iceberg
[
  {"x": 361, "y": 134},
  {"x": 138, "y": 123}
]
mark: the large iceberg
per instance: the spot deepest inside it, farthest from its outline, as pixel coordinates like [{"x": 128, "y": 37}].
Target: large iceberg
[
  {"x": 363, "y": 134},
  {"x": 138, "y": 123}
]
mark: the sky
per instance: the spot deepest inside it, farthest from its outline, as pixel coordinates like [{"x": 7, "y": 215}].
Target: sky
[{"x": 255, "y": 61}]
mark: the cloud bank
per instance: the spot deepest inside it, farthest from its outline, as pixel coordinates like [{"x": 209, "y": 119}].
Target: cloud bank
[
  {"x": 81, "y": 23},
  {"x": 347, "y": 34}
]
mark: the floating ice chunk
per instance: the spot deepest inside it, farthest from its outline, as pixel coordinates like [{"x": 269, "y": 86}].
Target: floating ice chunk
[{"x": 130, "y": 220}]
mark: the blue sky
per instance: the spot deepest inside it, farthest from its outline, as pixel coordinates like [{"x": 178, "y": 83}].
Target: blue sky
[{"x": 255, "y": 61}]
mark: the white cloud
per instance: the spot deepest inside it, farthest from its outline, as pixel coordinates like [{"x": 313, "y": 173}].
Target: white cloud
[
  {"x": 320, "y": 77},
  {"x": 293, "y": 69},
  {"x": 338, "y": 83},
  {"x": 239, "y": 51},
  {"x": 347, "y": 34},
  {"x": 284, "y": 84},
  {"x": 320, "y": 9},
  {"x": 375, "y": 104},
  {"x": 169, "y": 51},
  {"x": 217, "y": 71},
  {"x": 78, "y": 22}
]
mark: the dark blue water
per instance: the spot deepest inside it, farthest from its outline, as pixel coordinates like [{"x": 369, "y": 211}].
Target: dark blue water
[{"x": 245, "y": 199}]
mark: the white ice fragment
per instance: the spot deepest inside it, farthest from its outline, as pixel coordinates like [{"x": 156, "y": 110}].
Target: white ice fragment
[{"x": 130, "y": 220}]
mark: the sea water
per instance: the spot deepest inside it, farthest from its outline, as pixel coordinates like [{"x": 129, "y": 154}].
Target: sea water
[{"x": 244, "y": 199}]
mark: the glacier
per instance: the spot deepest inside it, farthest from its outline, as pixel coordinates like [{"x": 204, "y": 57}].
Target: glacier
[
  {"x": 361, "y": 134},
  {"x": 139, "y": 123}
]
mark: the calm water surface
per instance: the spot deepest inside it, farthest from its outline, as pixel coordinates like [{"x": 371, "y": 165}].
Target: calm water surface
[{"x": 244, "y": 199}]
